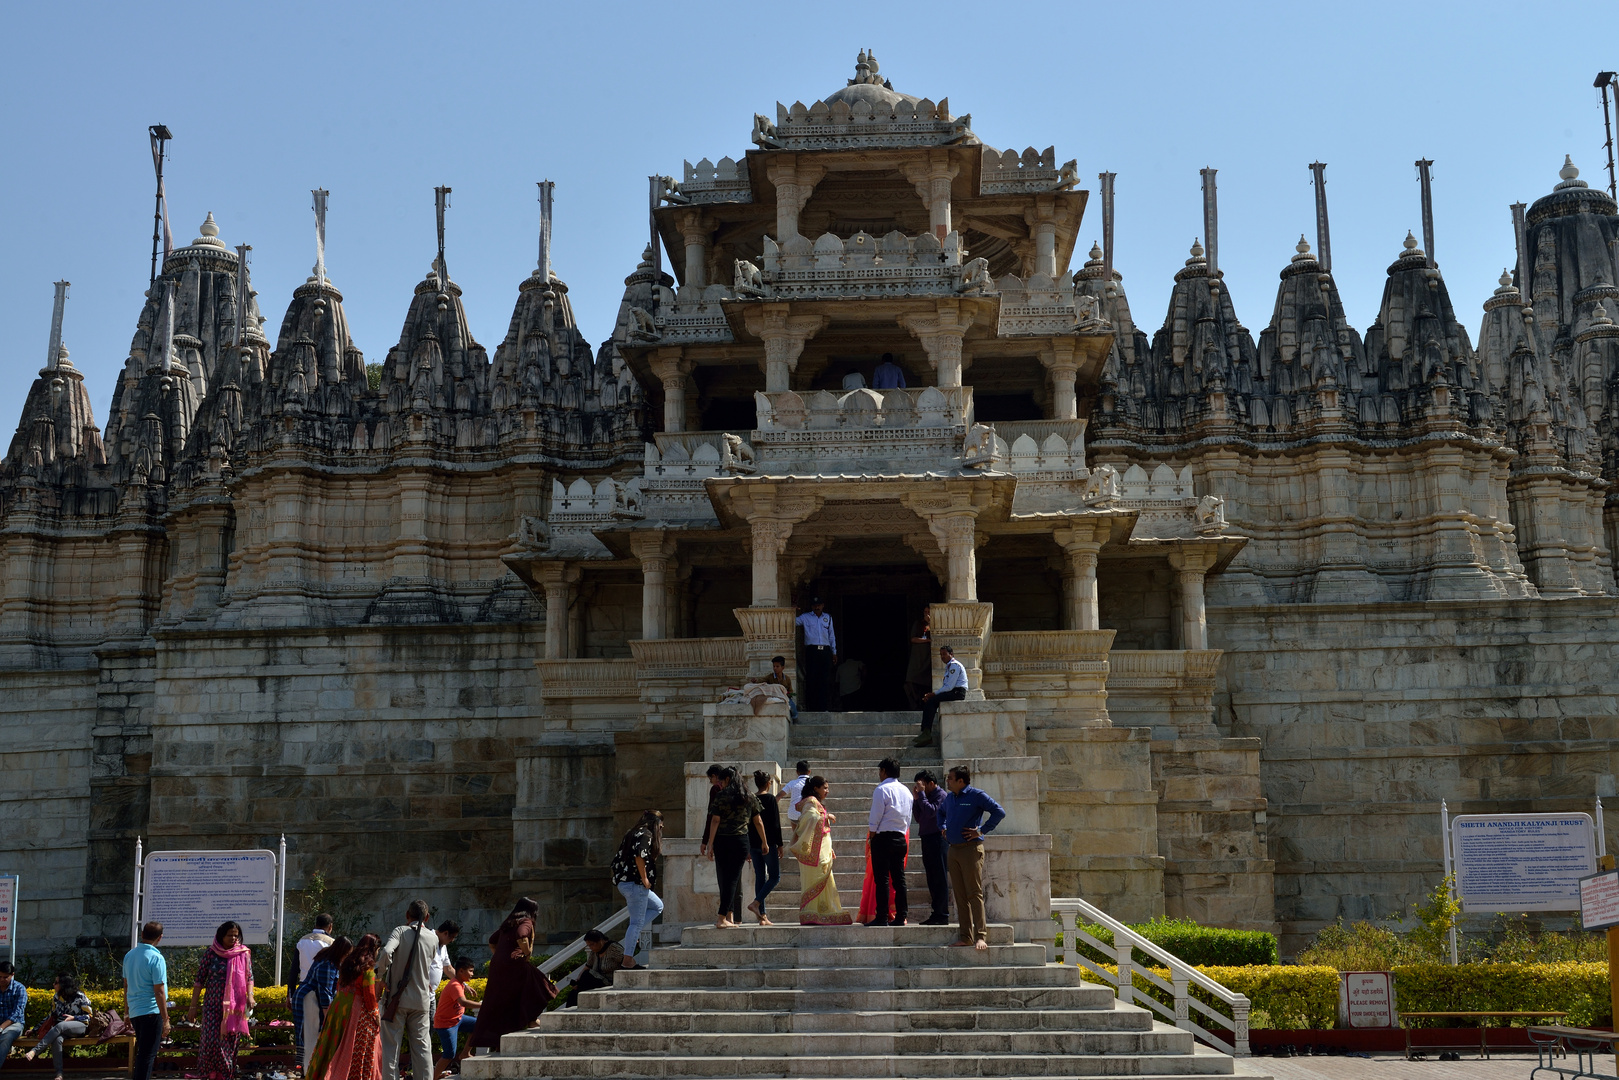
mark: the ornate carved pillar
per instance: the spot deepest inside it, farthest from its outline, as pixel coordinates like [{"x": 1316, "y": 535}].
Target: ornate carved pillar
[
  {"x": 671, "y": 368},
  {"x": 952, "y": 518},
  {"x": 941, "y": 335},
  {"x": 784, "y": 335},
  {"x": 694, "y": 231},
  {"x": 795, "y": 183},
  {"x": 1063, "y": 365},
  {"x": 558, "y": 579},
  {"x": 1081, "y": 544},
  {"x": 932, "y": 182},
  {"x": 965, "y": 628},
  {"x": 655, "y": 550},
  {"x": 769, "y": 541},
  {"x": 1192, "y": 563}
]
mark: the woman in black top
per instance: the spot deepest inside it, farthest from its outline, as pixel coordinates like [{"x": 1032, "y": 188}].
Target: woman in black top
[
  {"x": 766, "y": 857},
  {"x": 635, "y": 873}
]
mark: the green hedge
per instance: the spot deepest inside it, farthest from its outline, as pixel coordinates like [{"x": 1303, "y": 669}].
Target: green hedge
[
  {"x": 1196, "y": 944},
  {"x": 1580, "y": 989}
]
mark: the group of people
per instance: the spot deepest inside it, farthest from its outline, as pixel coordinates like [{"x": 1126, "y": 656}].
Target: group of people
[
  {"x": 951, "y": 822},
  {"x": 68, "y": 1018}
]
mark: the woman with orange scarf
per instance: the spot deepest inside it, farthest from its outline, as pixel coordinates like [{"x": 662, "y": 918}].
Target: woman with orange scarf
[
  {"x": 350, "y": 1046},
  {"x": 226, "y": 974}
]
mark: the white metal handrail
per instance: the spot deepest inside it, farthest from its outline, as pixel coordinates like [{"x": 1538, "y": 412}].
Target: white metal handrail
[
  {"x": 550, "y": 966},
  {"x": 1182, "y": 976}
]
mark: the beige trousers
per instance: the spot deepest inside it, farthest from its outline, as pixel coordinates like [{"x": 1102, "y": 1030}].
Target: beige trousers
[
  {"x": 414, "y": 1027},
  {"x": 967, "y": 882}
]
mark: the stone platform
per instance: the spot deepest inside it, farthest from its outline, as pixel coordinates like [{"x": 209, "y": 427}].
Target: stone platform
[{"x": 849, "y": 1002}]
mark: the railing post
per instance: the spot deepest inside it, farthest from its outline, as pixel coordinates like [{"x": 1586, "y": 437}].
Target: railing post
[
  {"x": 1070, "y": 953},
  {"x": 1127, "y": 977},
  {"x": 1183, "y": 1008},
  {"x": 1239, "y": 1026}
]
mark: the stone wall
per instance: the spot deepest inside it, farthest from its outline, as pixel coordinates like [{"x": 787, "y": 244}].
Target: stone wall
[
  {"x": 1370, "y": 715},
  {"x": 45, "y": 767}
]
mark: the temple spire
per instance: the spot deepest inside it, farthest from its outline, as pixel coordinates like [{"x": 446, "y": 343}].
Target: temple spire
[
  {"x": 1323, "y": 236},
  {"x": 547, "y": 189},
  {"x": 320, "y": 195},
  {"x": 51, "y": 357}
]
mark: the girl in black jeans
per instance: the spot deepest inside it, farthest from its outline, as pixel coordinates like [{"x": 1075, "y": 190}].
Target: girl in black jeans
[
  {"x": 732, "y": 812},
  {"x": 767, "y": 856}
]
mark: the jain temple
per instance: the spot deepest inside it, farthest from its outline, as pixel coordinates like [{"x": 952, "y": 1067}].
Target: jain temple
[{"x": 1239, "y": 607}]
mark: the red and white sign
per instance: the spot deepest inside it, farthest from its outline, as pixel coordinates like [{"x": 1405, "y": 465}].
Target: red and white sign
[
  {"x": 1366, "y": 999},
  {"x": 8, "y": 915},
  {"x": 1599, "y": 901}
]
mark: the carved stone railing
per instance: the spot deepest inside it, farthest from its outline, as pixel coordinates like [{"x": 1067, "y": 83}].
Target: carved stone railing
[
  {"x": 865, "y": 409},
  {"x": 1042, "y": 307},
  {"x": 1170, "y": 691},
  {"x": 1162, "y": 485},
  {"x": 768, "y": 632},
  {"x": 707, "y": 182},
  {"x": 1010, "y": 173},
  {"x": 697, "y": 316},
  {"x": 1040, "y": 446},
  {"x": 863, "y": 266},
  {"x": 1163, "y": 667},
  {"x": 1029, "y": 651},
  {"x": 701, "y": 659},
  {"x": 579, "y": 502},
  {"x": 842, "y": 125},
  {"x": 580, "y": 678},
  {"x": 696, "y": 455}
]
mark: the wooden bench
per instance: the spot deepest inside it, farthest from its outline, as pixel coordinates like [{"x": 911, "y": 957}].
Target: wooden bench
[
  {"x": 1483, "y": 1029},
  {"x": 28, "y": 1042},
  {"x": 1583, "y": 1043}
]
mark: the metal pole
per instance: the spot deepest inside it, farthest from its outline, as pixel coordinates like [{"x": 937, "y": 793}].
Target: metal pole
[
  {"x": 1520, "y": 232},
  {"x": 1604, "y": 80},
  {"x": 1211, "y": 223},
  {"x": 1323, "y": 238},
  {"x": 441, "y": 203},
  {"x": 135, "y": 918},
  {"x": 1444, "y": 824},
  {"x": 320, "y": 235},
  {"x": 1425, "y": 177},
  {"x": 1106, "y": 180},
  {"x": 166, "y": 328},
  {"x": 1602, "y": 839},
  {"x": 280, "y": 906},
  {"x": 16, "y": 901},
  {"x": 159, "y": 134},
  {"x": 547, "y": 189},
  {"x": 55, "y": 346}
]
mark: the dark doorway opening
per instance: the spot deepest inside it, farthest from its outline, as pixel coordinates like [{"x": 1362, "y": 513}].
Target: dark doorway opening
[
  {"x": 877, "y": 634},
  {"x": 873, "y": 605}
]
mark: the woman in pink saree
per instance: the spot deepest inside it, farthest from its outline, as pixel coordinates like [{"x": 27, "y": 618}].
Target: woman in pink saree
[
  {"x": 225, "y": 972},
  {"x": 818, "y": 903}
]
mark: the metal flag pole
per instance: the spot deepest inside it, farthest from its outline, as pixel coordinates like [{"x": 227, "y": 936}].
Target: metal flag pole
[
  {"x": 167, "y": 343},
  {"x": 1106, "y": 181},
  {"x": 135, "y": 909},
  {"x": 320, "y": 235},
  {"x": 241, "y": 293},
  {"x": 1323, "y": 237},
  {"x": 1425, "y": 177},
  {"x": 55, "y": 346},
  {"x": 1604, "y": 80},
  {"x": 1602, "y": 839},
  {"x": 280, "y": 906},
  {"x": 1520, "y": 233},
  {"x": 547, "y": 190},
  {"x": 1211, "y": 223},
  {"x": 159, "y": 135},
  {"x": 441, "y": 203},
  {"x": 1444, "y": 824}
]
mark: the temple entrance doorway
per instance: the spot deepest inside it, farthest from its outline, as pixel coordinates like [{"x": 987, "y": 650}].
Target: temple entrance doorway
[{"x": 873, "y": 607}]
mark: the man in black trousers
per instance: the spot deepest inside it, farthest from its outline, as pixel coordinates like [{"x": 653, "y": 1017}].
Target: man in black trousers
[
  {"x": 820, "y": 655},
  {"x": 929, "y": 807},
  {"x": 890, "y": 818}
]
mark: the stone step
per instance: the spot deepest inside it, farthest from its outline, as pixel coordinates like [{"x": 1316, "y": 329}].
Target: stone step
[
  {"x": 511, "y": 1065},
  {"x": 863, "y": 754},
  {"x": 863, "y": 977},
  {"x": 588, "y": 1019},
  {"x": 900, "y": 956},
  {"x": 809, "y": 719},
  {"x": 865, "y": 937},
  {"x": 1088, "y": 997},
  {"x": 1162, "y": 1039}
]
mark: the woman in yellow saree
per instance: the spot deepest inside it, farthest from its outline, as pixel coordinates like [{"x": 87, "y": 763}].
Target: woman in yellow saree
[{"x": 818, "y": 903}]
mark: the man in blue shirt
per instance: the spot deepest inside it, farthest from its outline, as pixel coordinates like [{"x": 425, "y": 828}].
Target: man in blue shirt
[
  {"x": 146, "y": 998},
  {"x": 929, "y": 809},
  {"x": 13, "y": 1005},
  {"x": 889, "y": 375},
  {"x": 964, "y": 809},
  {"x": 953, "y": 687},
  {"x": 820, "y": 654}
]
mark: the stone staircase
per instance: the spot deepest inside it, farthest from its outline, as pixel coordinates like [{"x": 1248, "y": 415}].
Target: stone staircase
[
  {"x": 845, "y": 748},
  {"x": 848, "y": 1002}
]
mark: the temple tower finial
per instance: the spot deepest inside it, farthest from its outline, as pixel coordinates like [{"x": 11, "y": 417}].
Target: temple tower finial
[
  {"x": 241, "y": 289},
  {"x": 1425, "y": 177},
  {"x": 320, "y": 195},
  {"x": 1106, "y": 182},
  {"x": 1211, "y": 221},
  {"x": 547, "y": 191},
  {"x": 1323, "y": 235}
]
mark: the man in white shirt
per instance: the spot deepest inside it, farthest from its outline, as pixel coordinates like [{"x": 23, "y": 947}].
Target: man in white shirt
[
  {"x": 448, "y": 931},
  {"x": 793, "y": 790},
  {"x": 312, "y": 943},
  {"x": 854, "y": 381},
  {"x": 952, "y": 688},
  {"x": 820, "y": 654},
  {"x": 885, "y": 833}
]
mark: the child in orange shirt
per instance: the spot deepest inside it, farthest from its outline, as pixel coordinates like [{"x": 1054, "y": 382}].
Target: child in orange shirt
[{"x": 451, "y": 1021}]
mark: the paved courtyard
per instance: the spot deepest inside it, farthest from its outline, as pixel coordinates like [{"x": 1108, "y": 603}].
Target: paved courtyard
[{"x": 1387, "y": 1067}]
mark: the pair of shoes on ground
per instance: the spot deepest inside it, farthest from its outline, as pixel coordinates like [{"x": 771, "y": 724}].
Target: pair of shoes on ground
[
  {"x": 936, "y": 920},
  {"x": 886, "y": 922}
]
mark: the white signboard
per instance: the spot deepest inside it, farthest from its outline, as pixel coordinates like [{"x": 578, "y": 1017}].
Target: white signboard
[
  {"x": 8, "y": 915},
  {"x": 1366, "y": 999},
  {"x": 1599, "y": 901},
  {"x": 1522, "y": 862},
  {"x": 192, "y": 892}
]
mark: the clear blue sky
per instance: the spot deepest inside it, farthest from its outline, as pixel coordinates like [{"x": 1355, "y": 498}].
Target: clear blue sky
[{"x": 378, "y": 103}]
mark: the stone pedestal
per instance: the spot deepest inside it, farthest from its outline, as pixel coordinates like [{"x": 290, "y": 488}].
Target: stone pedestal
[
  {"x": 1212, "y": 832},
  {"x": 982, "y": 729},
  {"x": 735, "y": 732},
  {"x": 563, "y": 834},
  {"x": 965, "y": 628},
  {"x": 767, "y": 632}
]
